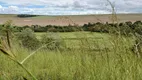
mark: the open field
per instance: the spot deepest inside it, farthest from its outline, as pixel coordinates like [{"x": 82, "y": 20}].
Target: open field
[
  {"x": 115, "y": 62},
  {"x": 79, "y": 55},
  {"x": 65, "y": 20},
  {"x": 95, "y": 40}
]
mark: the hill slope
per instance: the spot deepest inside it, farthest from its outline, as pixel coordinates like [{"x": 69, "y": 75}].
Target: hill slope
[{"x": 65, "y": 20}]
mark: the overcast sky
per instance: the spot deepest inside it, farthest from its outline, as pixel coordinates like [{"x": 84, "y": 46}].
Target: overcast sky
[{"x": 68, "y": 7}]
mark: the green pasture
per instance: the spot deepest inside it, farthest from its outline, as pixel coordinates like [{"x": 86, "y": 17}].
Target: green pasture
[{"x": 95, "y": 56}]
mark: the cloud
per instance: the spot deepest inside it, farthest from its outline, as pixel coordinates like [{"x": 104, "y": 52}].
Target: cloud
[
  {"x": 0, "y": 6},
  {"x": 62, "y": 7},
  {"x": 9, "y": 10}
]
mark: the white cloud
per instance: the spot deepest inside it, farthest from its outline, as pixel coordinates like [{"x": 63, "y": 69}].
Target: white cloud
[
  {"x": 13, "y": 8},
  {"x": 9, "y": 10},
  {"x": 0, "y": 6},
  {"x": 54, "y": 7}
]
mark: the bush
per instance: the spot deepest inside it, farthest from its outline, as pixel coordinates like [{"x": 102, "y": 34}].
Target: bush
[
  {"x": 52, "y": 29},
  {"x": 1, "y": 26},
  {"x": 138, "y": 29},
  {"x": 28, "y": 39},
  {"x": 125, "y": 29},
  {"x": 52, "y": 40},
  {"x": 40, "y": 29}
]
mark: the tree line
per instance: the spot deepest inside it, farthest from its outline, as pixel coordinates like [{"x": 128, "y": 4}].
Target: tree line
[
  {"x": 124, "y": 28},
  {"x": 26, "y": 15}
]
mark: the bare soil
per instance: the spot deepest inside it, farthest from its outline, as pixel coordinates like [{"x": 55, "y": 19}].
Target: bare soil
[{"x": 66, "y": 20}]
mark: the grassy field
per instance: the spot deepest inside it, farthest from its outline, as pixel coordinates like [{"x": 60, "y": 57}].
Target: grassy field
[
  {"x": 84, "y": 55},
  {"x": 107, "y": 57},
  {"x": 65, "y": 20},
  {"x": 75, "y": 39}
]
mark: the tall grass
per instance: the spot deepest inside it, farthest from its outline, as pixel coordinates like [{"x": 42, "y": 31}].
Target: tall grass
[
  {"x": 114, "y": 61},
  {"x": 108, "y": 57}
]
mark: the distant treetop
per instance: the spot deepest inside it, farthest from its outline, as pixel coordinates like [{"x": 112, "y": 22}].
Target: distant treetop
[{"x": 26, "y": 15}]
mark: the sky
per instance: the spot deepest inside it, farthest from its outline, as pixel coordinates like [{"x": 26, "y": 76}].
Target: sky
[{"x": 68, "y": 7}]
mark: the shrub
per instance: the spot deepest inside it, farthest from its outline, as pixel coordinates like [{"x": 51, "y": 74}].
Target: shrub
[
  {"x": 28, "y": 39},
  {"x": 129, "y": 23},
  {"x": 100, "y": 28},
  {"x": 52, "y": 40},
  {"x": 40, "y": 29},
  {"x": 52, "y": 29},
  {"x": 125, "y": 29},
  {"x": 138, "y": 29},
  {"x": 1, "y": 26}
]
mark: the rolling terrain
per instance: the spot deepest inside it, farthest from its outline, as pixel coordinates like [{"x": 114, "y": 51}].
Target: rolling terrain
[
  {"x": 65, "y": 20},
  {"x": 79, "y": 55}
]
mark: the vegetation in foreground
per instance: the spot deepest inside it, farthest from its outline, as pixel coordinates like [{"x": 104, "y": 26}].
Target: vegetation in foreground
[{"x": 108, "y": 57}]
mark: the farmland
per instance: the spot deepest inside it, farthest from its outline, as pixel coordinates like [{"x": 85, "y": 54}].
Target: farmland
[
  {"x": 65, "y": 20},
  {"x": 77, "y": 55}
]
